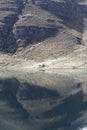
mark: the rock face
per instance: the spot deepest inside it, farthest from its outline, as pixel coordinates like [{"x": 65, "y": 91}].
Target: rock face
[
  {"x": 52, "y": 28},
  {"x": 33, "y": 34},
  {"x": 9, "y": 11},
  {"x": 41, "y": 20}
]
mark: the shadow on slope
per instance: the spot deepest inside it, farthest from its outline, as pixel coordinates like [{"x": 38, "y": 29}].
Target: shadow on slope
[
  {"x": 9, "y": 11},
  {"x": 33, "y": 34},
  {"x": 70, "y": 11}
]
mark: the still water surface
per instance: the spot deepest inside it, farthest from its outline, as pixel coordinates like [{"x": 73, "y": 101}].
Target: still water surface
[{"x": 42, "y": 102}]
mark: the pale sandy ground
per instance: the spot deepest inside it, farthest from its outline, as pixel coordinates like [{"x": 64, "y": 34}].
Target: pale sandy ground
[
  {"x": 75, "y": 62},
  {"x": 61, "y": 65}
]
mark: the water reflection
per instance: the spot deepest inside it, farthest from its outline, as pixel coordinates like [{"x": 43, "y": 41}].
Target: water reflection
[
  {"x": 27, "y": 105},
  {"x": 85, "y": 128}
]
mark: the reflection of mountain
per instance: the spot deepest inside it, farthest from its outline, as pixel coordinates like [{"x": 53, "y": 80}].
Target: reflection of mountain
[
  {"x": 10, "y": 108},
  {"x": 25, "y": 106},
  {"x": 66, "y": 115}
]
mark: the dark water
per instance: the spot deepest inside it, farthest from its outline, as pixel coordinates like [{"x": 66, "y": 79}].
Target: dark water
[{"x": 43, "y": 103}]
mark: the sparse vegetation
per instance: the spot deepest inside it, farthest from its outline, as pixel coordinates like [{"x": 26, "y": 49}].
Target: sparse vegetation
[{"x": 56, "y": 29}]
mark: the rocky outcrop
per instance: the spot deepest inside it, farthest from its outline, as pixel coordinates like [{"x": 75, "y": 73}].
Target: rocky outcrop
[
  {"x": 32, "y": 34},
  {"x": 46, "y": 19},
  {"x": 9, "y": 11}
]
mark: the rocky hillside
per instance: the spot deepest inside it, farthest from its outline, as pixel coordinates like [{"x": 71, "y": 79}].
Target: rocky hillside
[
  {"x": 9, "y": 12},
  {"x": 41, "y": 30}
]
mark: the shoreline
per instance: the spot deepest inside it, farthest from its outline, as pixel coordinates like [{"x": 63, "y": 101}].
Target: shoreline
[{"x": 55, "y": 66}]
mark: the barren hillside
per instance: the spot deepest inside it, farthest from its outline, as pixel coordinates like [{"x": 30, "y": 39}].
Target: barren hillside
[{"x": 50, "y": 32}]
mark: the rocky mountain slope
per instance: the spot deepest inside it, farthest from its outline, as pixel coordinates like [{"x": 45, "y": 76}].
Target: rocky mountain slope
[{"x": 49, "y": 31}]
